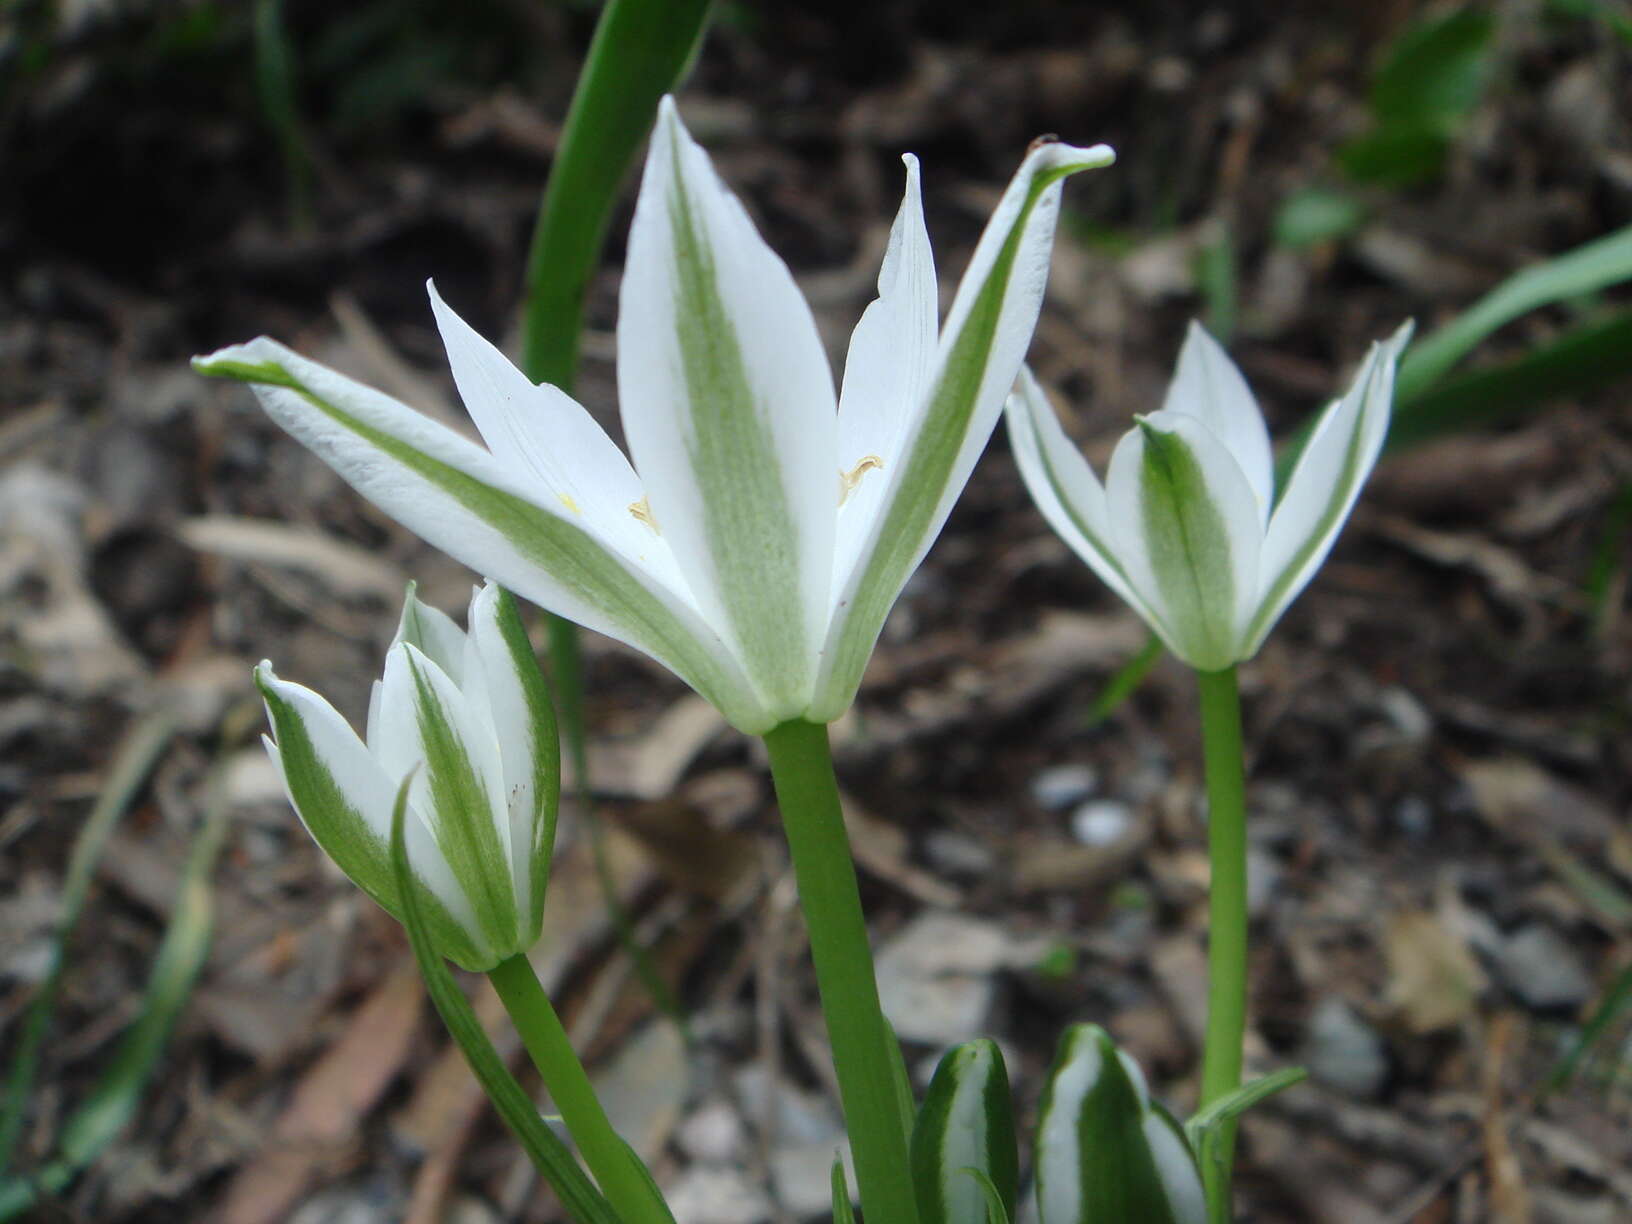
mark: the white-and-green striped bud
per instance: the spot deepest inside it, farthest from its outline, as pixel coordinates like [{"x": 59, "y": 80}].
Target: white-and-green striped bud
[
  {"x": 964, "y": 1135},
  {"x": 1107, "y": 1153},
  {"x": 468, "y": 715}
]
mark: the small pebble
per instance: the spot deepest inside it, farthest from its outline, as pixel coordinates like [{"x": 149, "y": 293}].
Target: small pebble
[
  {"x": 1101, "y": 822},
  {"x": 1059, "y": 786},
  {"x": 1344, "y": 1052},
  {"x": 1542, "y": 970}
]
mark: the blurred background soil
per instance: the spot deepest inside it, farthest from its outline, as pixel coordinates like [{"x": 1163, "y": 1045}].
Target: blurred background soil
[{"x": 1440, "y": 771}]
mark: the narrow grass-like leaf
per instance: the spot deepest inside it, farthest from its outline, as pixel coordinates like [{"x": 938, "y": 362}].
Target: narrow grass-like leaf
[
  {"x": 843, "y": 1212},
  {"x": 275, "y": 83},
  {"x": 1234, "y": 1104},
  {"x": 1616, "y": 1002},
  {"x": 1588, "y": 268},
  {"x": 1124, "y": 683},
  {"x": 1583, "y": 359},
  {"x": 997, "y": 1211},
  {"x": 138, "y": 753},
  {"x": 549, "y": 1154},
  {"x": 113, "y": 1101},
  {"x": 640, "y": 50}
]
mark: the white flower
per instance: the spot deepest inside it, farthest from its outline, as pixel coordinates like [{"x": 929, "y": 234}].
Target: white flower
[
  {"x": 1106, "y": 1152},
  {"x": 1186, "y": 528},
  {"x": 763, "y": 530},
  {"x": 468, "y": 715}
]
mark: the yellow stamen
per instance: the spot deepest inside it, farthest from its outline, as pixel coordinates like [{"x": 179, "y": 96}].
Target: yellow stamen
[
  {"x": 642, "y": 510},
  {"x": 849, "y": 480},
  {"x": 566, "y": 500}
]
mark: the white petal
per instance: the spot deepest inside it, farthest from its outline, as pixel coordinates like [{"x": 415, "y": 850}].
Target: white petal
[
  {"x": 1325, "y": 484},
  {"x": 1187, "y": 535},
  {"x": 1207, "y": 385},
  {"x": 402, "y": 744},
  {"x": 552, "y": 445},
  {"x": 1066, "y": 491},
  {"x": 460, "y": 499},
  {"x": 728, "y": 406},
  {"x": 433, "y": 631},
  {"x": 886, "y": 375},
  {"x": 977, "y": 357},
  {"x": 1177, "y": 1169},
  {"x": 473, "y": 833},
  {"x": 370, "y": 793},
  {"x": 517, "y": 729}
]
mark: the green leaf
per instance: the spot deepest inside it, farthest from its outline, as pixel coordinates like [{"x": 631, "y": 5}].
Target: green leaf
[
  {"x": 1232, "y": 1105},
  {"x": 997, "y": 1211},
  {"x": 966, "y": 1123},
  {"x": 1588, "y": 268},
  {"x": 843, "y": 1212},
  {"x": 640, "y": 51},
  {"x": 1436, "y": 70},
  {"x": 1584, "y": 359},
  {"x": 113, "y": 1101},
  {"x": 1395, "y": 155},
  {"x": 1615, "y": 1003},
  {"x": 550, "y": 1156},
  {"x": 137, "y": 754},
  {"x": 1316, "y": 215}
]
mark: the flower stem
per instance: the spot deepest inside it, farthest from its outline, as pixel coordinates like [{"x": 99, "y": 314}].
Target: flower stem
[
  {"x": 865, "y": 1053},
  {"x": 1227, "y": 933},
  {"x": 622, "y": 1178}
]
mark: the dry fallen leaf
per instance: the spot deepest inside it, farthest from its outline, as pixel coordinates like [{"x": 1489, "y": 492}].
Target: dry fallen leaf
[{"x": 1434, "y": 981}]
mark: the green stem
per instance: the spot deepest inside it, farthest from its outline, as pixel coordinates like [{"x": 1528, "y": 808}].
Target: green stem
[
  {"x": 864, "y": 1048},
  {"x": 1227, "y": 929},
  {"x": 622, "y": 1178}
]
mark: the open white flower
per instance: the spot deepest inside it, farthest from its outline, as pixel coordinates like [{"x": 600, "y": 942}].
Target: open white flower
[
  {"x": 1186, "y": 528},
  {"x": 469, "y": 717},
  {"x": 763, "y": 530}
]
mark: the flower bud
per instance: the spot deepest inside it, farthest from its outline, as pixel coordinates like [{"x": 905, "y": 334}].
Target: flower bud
[
  {"x": 1107, "y": 1153},
  {"x": 468, "y": 717}
]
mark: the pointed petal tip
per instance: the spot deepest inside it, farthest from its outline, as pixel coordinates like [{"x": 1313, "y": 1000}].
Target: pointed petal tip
[
  {"x": 1051, "y": 153},
  {"x": 228, "y": 362}
]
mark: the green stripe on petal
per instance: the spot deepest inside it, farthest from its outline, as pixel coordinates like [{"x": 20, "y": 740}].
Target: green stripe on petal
[
  {"x": 537, "y": 825},
  {"x": 966, "y": 1122},
  {"x": 344, "y": 832},
  {"x": 749, "y": 526},
  {"x": 929, "y": 468},
  {"x": 1188, "y": 535},
  {"x": 463, "y": 808}
]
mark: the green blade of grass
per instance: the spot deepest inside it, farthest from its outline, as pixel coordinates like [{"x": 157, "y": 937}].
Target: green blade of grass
[
  {"x": 182, "y": 952},
  {"x": 1617, "y": 1002},
  {"x": 136, "y": 756},
  {"x": 1596, "y": 265},
  {"x": 640, "y": 51},
  {"x": 1124, "y": 683},
  {"x": 1584, "y": 359},
  {"x": 550, "y": 1156}
]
